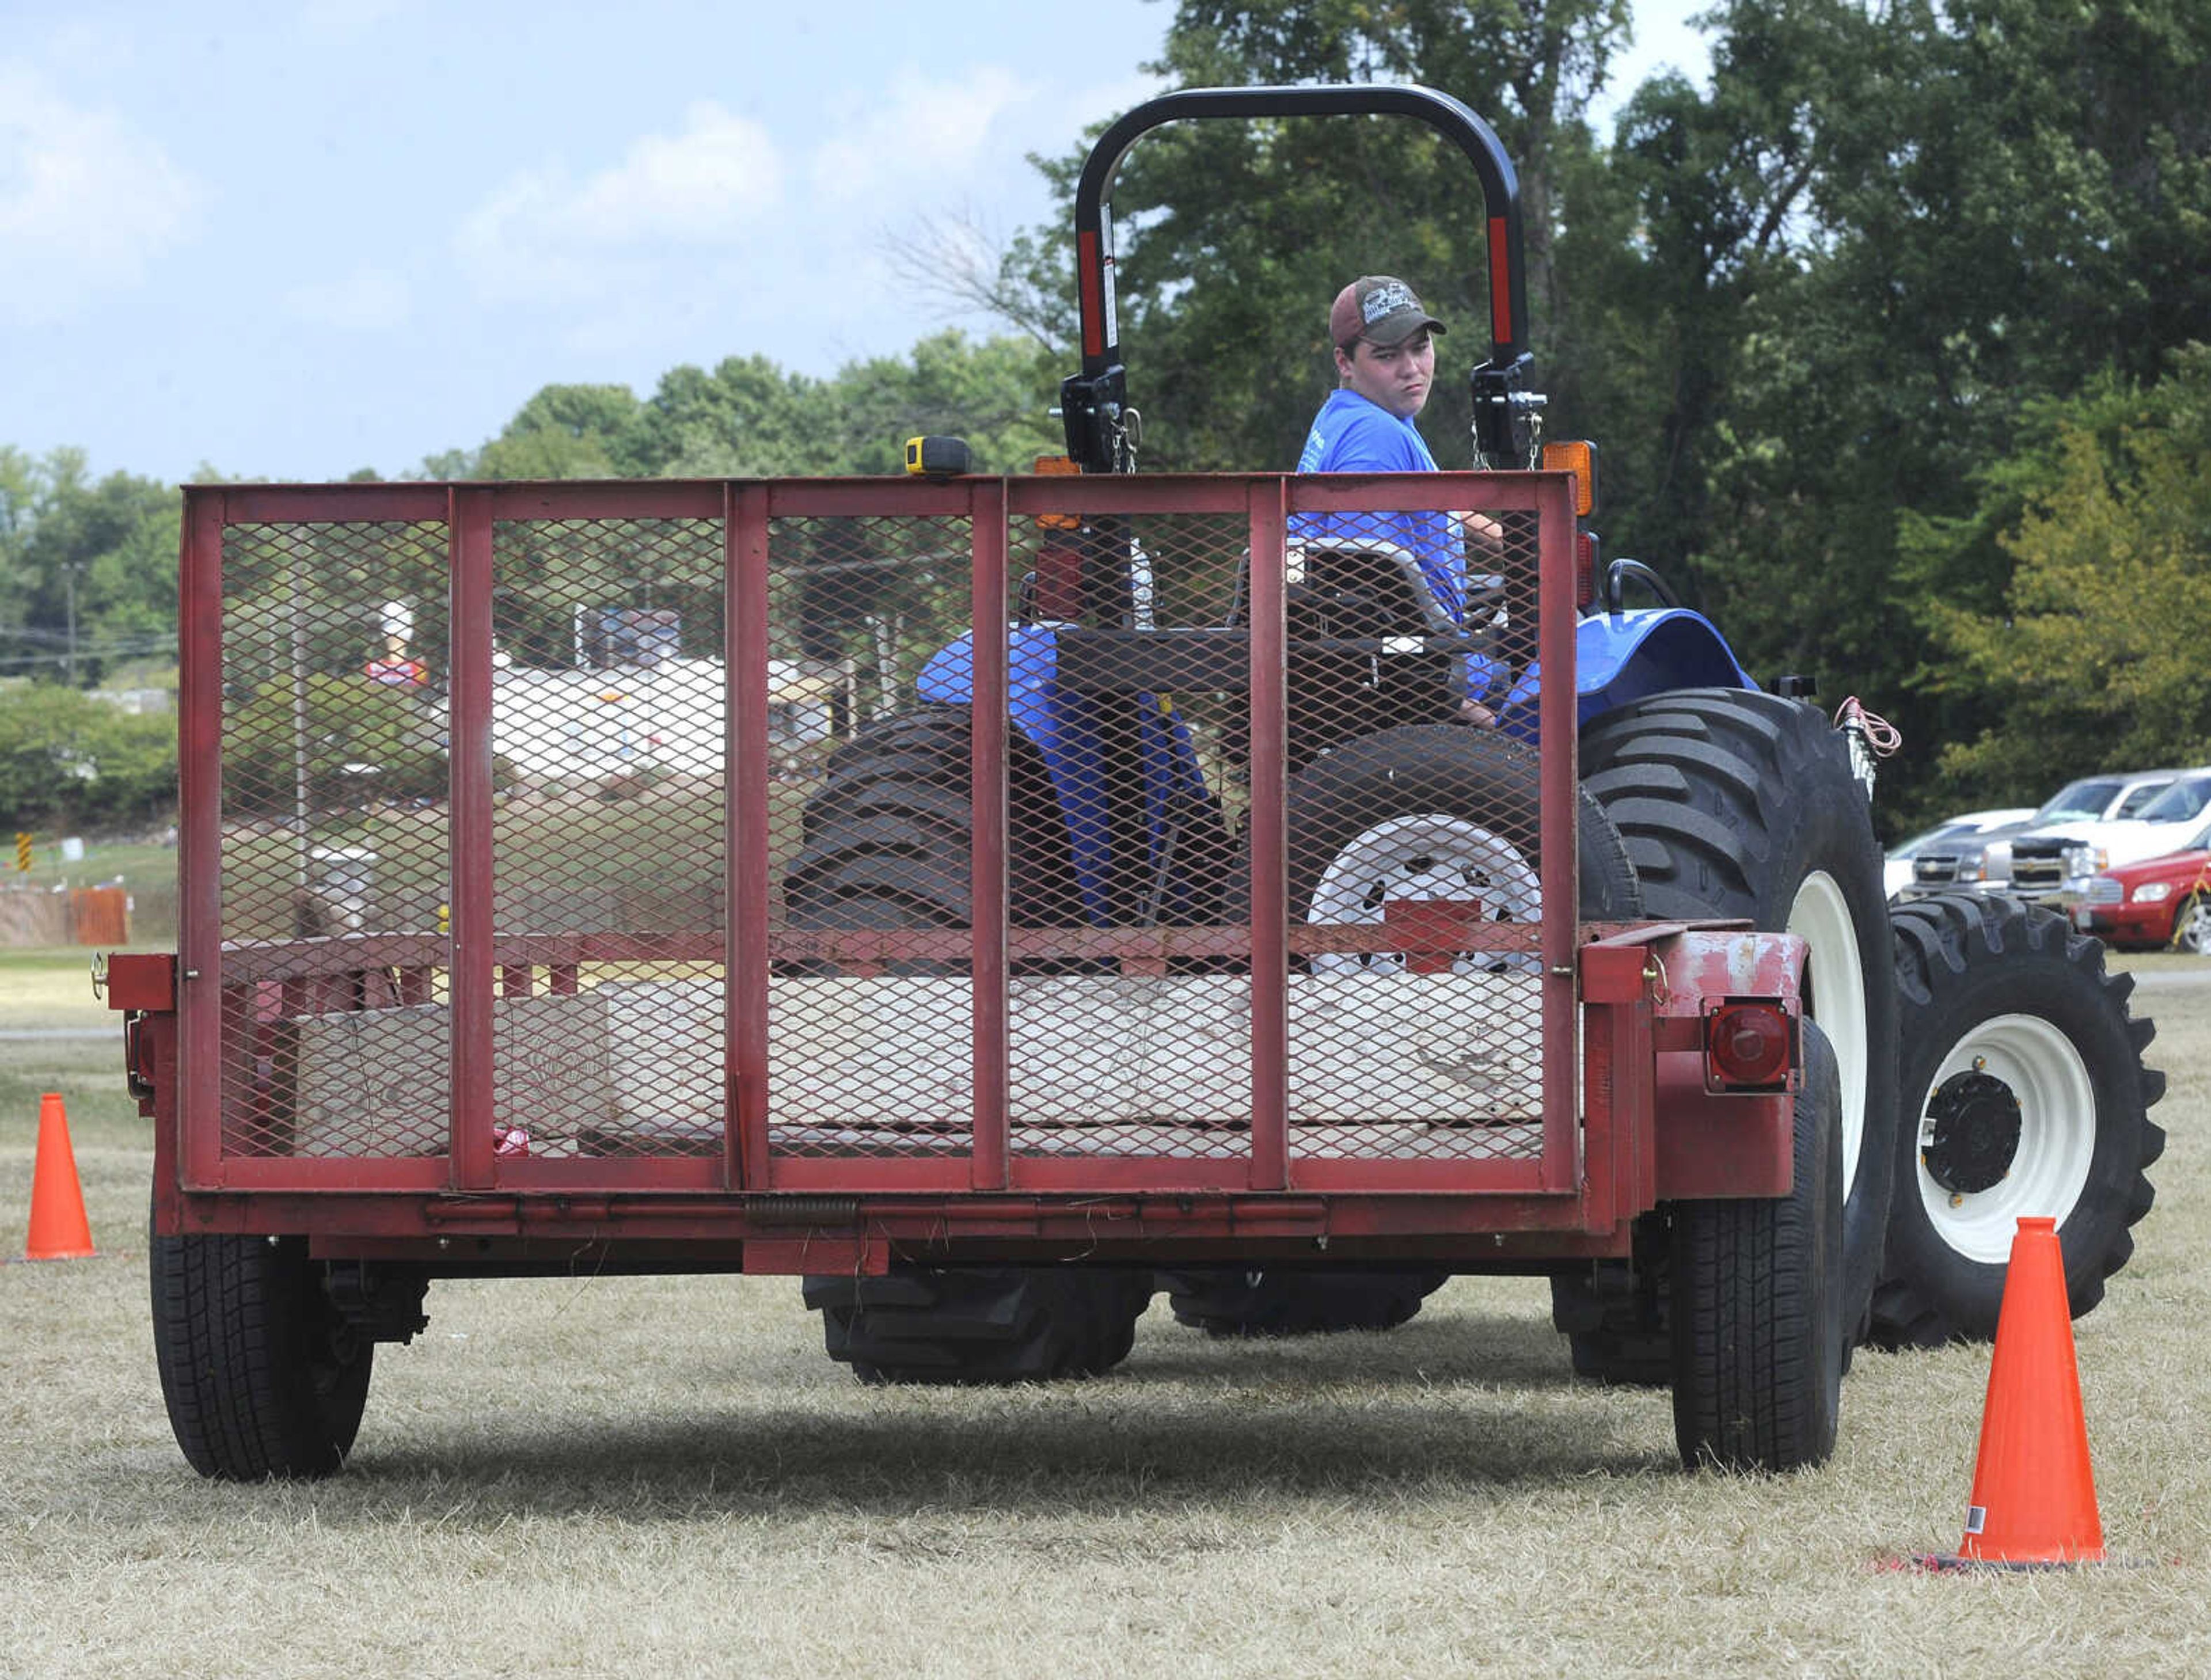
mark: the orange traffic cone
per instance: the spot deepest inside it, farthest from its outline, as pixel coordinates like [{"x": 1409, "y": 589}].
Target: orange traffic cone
[
  {"x": 2034, "y": 1496},
  {"x": 59, "y": 1230}
]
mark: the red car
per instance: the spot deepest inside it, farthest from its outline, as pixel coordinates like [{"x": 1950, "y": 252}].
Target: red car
[{"x": 2162, "y": 901}]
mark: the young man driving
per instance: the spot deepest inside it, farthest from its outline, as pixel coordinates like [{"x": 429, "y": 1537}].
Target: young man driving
[{"x": 1386, "y": 360}]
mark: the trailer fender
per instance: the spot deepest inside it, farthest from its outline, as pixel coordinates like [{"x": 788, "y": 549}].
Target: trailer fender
[{"x": 1705, "y": 1144}]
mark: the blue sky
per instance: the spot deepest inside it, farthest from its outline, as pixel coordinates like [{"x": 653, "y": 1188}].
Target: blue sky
[{"x": 291, "y": 240}]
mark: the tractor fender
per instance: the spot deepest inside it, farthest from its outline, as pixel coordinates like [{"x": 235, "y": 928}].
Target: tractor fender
[
  {"x": 1063, "y": 729},
  {"x": 1620, "y": 657}
]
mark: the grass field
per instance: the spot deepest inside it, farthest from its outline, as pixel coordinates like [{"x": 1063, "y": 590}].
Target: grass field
[{"x": 666, "y": 1475}]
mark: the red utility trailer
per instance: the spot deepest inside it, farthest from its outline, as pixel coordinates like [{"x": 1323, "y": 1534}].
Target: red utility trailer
[{"x": 533, "y": 966}]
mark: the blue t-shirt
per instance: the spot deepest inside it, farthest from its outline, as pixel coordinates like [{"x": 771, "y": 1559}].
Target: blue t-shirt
[{"x": 1352, "y": 434}]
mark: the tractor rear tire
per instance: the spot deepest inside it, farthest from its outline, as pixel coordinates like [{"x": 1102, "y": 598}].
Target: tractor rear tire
[
  {"x": 1759, "y": 1333},
  {"x": 1225, "y": 1302},
  {"x": 1741, "y": 804},
  {"x": 1419, "y": 807},
  {"x": 1476, "y": 791},
  {"x": 890, "y": 833},
  {"x": 262, "y": 1374},
  {"x": 888, "y": 845},
  {"x": 978, "y": 1326},
  {"x": 2025, "y": 1094}
]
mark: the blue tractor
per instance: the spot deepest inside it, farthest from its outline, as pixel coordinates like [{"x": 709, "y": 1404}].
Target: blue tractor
[{"x": 1703, "y": 795}]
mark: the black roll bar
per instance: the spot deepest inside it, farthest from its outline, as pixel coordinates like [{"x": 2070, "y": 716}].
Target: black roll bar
[{"x": 1500, "y": 189}]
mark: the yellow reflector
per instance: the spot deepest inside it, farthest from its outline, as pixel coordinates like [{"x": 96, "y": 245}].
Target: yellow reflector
[{"x": 1580, "y": 459}]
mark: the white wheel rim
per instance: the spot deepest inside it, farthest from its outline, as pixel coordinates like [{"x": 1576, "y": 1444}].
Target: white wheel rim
[
  {"x": 1429, "y": 856},
  {"x": 1821, "y": 916},
  {"x": 2056, "y": 1134},
  {"x": 2195, "y": 936}
]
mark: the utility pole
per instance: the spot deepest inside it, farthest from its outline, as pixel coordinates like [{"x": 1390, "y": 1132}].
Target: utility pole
[{"x": 69, "y": 597}]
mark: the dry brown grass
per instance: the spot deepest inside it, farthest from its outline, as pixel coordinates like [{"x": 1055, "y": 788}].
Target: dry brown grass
[{"x": 666, "y": 1475}]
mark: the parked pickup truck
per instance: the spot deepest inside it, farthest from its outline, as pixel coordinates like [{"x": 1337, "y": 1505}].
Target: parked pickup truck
[
  {"x": 1982, "y": 862},
  {"x": 2054, "y": 865}
]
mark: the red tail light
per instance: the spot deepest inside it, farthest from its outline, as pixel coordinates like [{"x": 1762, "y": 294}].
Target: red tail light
[
  {"x": 1584, "y": 569},
  {"x": 1749, "y": 1045},
  {"x": 1059, "y": 584}
]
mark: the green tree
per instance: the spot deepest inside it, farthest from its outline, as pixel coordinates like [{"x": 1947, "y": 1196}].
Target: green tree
[
  {"x": 1881, "y": 234},
  {"x": 87, "y": 570},
  {"x": 68, "y": 759},
  {"x": 2094, "y": 652},
  {"x": 564, "y": 431}
]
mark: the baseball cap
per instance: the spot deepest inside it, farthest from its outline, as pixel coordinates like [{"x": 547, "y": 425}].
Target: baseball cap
[{"x": 1380, "y": 309}]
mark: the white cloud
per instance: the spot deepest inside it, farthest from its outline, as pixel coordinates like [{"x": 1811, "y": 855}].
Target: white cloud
[
  {"x": 926, "y": 131},
  {"x": 545, "y": 233},
  {"x": 366, "y": 300},
  {"x": 86, "y": 201}
]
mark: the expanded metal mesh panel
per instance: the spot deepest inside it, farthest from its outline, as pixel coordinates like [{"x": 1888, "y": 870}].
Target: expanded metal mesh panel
[
  {"x": 608, "y": 903},
  {"x": 607, "y": 839},
  {"x": 1127, "y": 796},
  {"x": 334, "y": 839},
  {"x": 1123, "y": 1008},
  {"x": 868, "y": 831},
  {"x": 1143, "y": 1056},
  {"x": 1412, "y": 827}
]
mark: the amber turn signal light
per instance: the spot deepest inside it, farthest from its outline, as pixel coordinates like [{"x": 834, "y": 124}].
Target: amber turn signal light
[{"x": 1578, "y": 458}]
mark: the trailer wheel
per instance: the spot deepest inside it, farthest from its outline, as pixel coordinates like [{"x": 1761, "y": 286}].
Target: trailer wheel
[
  {"x": 1759, "y": 1331},
  {"x": 1233, "y": 1302},
  {"x": 263, "y": 1376},
  {"x": 980, "y": 1324},
  {"x": 2026, "y": 1093},
  {"x": 1423, "y": 811},
  {"x": 1737, "y": 804}
]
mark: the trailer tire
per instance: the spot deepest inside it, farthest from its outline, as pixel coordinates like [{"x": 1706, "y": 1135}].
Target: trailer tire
[
  {"x": 1469, "y": 793},
  {"x": 1233, "y": 1302},
  {"x": 1759, "y": 1333},
  {"x": 262, "y": 1375},
  {"x": 980, "y": 1325},
  {"x": 2025, "y": 1094},
  {"x": 1737, "y": 804}
]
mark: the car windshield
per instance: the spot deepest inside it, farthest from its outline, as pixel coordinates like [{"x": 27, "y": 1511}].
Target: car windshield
[
  {"x": 1941, "y": 831},
  {"x": 2081, "y": 802},
  {"x": 2183, "y": 801},
  {"x": 2139, "y": 800}
]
